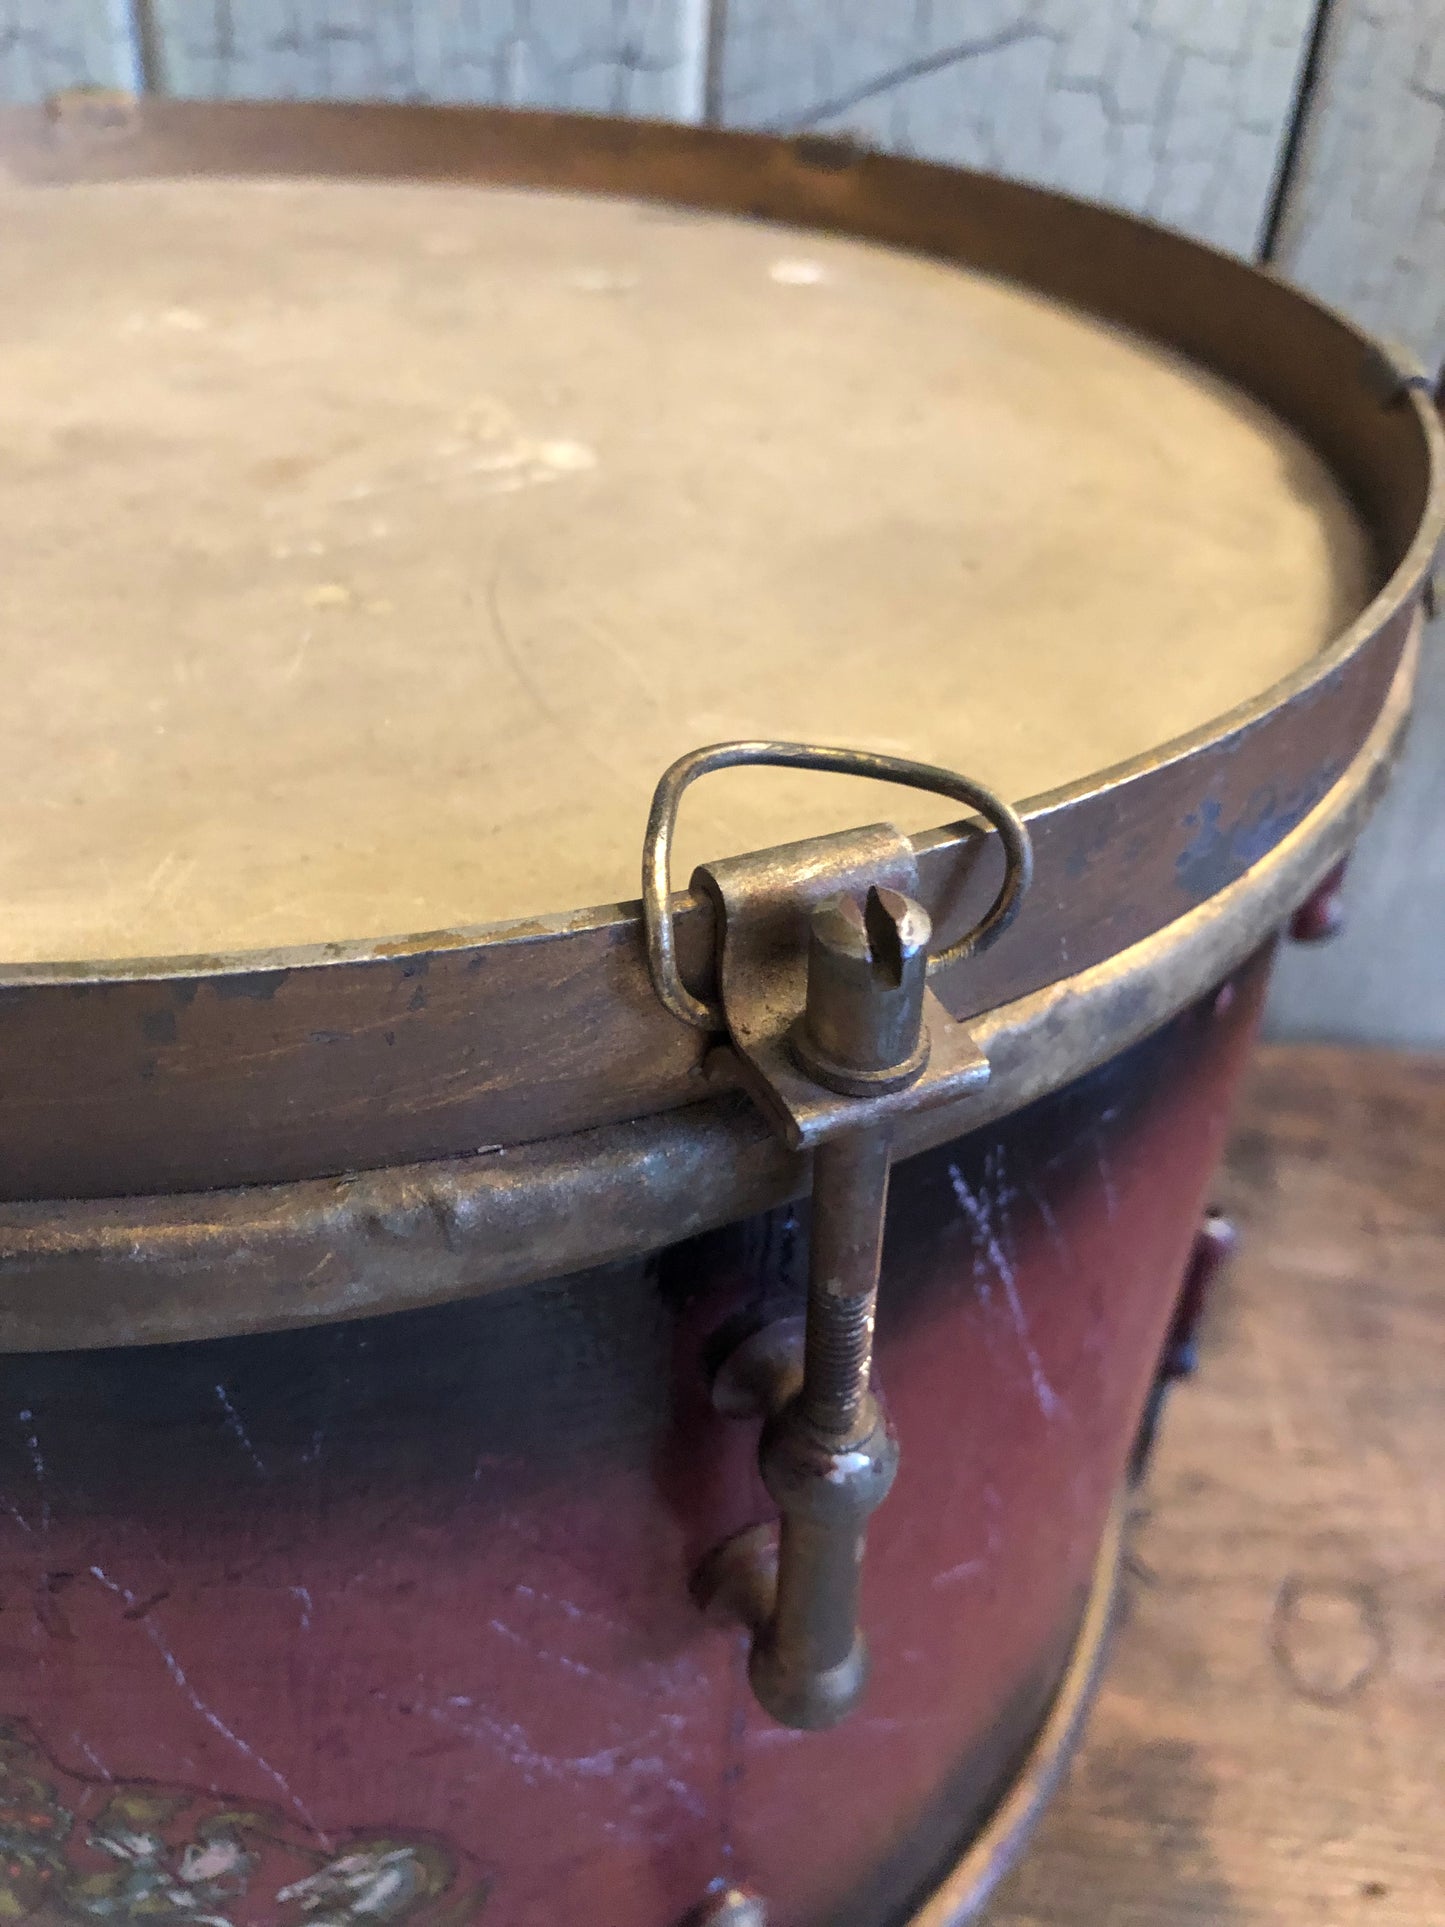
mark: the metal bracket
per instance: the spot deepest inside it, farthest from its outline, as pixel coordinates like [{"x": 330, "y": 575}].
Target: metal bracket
[
  {"x": 764, "y": 907},
  {"x": 823, "y": 961},
  {"x": 662, "y": 820},
  {"x": 1214, "y": 1245}
]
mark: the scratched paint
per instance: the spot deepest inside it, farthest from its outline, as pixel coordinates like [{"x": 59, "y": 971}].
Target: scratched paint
[
  {"x": 419, "y": 1587},
  {"x": 980, "y": 1207}
]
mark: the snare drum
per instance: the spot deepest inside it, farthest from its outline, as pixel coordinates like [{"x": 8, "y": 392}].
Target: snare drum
[{"x": 449, "y": 1467}]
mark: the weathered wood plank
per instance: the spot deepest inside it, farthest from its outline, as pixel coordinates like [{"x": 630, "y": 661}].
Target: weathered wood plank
[
  {"x": 604, "y": 56},
  {"x": 1171, "y": 109},
  {"x": 1381, "y": 980},
  {"x": 48, "y": 45},
  {"x": 1269, "y": 1747},
  {"x": 1363, "y": 224},
  {"x": 1364, "y": 221}
]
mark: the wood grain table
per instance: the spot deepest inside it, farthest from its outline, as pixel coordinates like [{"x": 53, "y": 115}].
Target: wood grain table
[{"x": 1269, "y": 1745}]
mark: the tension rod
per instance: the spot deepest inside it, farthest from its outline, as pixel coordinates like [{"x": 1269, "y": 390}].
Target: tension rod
[
  {"x": 827, "y": 1457},
  {"x": 830, "y": 1037}
]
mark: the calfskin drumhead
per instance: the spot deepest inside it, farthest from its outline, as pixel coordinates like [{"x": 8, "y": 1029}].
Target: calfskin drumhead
[{"x": 370, "y": 547}]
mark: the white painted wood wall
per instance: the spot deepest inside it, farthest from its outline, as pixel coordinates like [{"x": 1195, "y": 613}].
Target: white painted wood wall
[
  {"x": 1363, "y": 224},
  {"x": 1308, "y": 131},
  {"x": 1166, "y": 107}
]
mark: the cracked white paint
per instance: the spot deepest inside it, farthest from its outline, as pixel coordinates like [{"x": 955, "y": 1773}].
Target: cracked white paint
[
  {"x": 1364, "y": 226},
  {"x": 1169, "y": 108},
  {"x": 1173, "y": 110},
  {"x": 599, "y": 56},
  {"x": 49, "y": 45},
  {"x": 1365, "y": 222}
]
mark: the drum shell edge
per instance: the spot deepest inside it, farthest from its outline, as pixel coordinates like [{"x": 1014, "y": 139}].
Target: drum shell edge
[{"x": 425, "y": 1578}]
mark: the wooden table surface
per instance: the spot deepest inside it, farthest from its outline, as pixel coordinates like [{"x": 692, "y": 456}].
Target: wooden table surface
[{"x": 1269, "y": 1744}]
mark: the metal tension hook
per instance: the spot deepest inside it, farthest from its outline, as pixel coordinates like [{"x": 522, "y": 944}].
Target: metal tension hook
[{"x": 823, "y": 974}]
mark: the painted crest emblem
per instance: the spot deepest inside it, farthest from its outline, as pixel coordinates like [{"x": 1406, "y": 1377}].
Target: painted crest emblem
[{"x": 76, "y": 1851}]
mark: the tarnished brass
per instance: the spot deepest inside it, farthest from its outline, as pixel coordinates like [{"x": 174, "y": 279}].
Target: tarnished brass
[
  {"x": 762, "y": 906},
  {"x": 662, "y": 821},
  {"x": 829, "y": 1459},
  {"x": 861, "y": 1030},
  {"x": 836, "y": 1036},
  {"x": 84, "y": 1273},
  {"x": 740, "y": 1573},
  {"x": 167, "y": 1073}
]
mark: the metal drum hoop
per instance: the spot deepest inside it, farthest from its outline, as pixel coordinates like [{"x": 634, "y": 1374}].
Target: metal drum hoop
[{"x": 156, "y": 1076}]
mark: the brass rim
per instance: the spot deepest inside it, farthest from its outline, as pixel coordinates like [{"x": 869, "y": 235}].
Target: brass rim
[
  {"x": 657, "y": 892},
  {"x": 289, "y": 1065},
  {"x": 138, "y": 1270}
]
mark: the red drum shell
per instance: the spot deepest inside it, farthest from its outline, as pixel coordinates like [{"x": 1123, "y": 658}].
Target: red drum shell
[{"x": 281, "y": 1606}]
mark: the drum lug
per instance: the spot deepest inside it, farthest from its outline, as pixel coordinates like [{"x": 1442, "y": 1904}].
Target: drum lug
[
  {"x": 823, "y": 962},
  {"x": 789, "y": 1040},
  {"x": 1322, "y": 914},
  {"x": 1214, "y": 1245}
]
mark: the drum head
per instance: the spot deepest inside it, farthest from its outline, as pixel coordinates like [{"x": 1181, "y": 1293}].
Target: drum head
[{"x": 370, "y": 548}]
